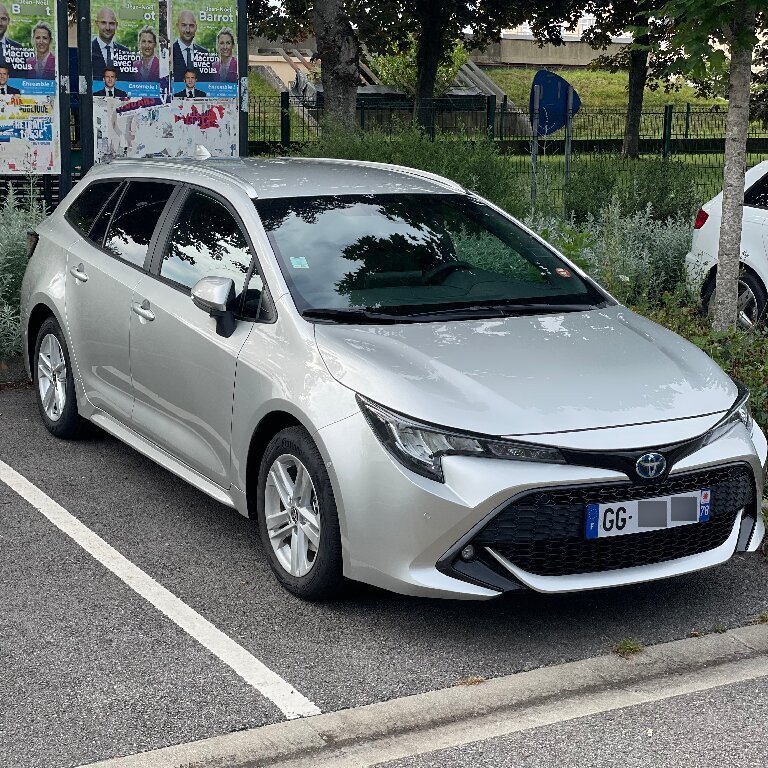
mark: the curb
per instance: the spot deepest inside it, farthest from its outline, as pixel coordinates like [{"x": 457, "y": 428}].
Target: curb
[{"x": 316, "y": 736}]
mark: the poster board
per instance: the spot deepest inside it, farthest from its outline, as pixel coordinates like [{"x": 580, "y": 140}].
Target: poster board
[
  {"x": 29, "y": 115},
  {"x": 165, "y": 78}
]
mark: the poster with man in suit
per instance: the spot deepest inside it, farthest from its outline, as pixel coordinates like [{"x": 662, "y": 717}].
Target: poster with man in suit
[
  {"x": 127, "y": 37},
  {"x": 206, "y": 42}
]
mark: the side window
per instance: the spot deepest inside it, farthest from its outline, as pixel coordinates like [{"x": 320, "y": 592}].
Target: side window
[
  {"x": 757, "y": 195},
  {"x": 206, "y": 241},
  {"x": 84, "y": 211},
  {"x": 135, "y": 220}
]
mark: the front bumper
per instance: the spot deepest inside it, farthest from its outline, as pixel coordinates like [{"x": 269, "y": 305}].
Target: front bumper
[{"x": 405, "y": 533}]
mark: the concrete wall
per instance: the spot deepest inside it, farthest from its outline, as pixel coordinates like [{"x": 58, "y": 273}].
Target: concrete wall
[{"x": 521, "y": 51}]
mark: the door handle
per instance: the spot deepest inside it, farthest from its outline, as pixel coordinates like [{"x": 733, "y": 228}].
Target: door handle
[
  {"x": 78, "y": 274},
  {"x": 143, "y": 310}
]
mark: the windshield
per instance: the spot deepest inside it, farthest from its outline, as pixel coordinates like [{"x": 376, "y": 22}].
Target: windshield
[{"x": 414, "y": 256}]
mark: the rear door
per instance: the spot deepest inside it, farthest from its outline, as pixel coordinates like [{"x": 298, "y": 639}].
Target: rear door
[
  {"x": 183, "y": 370},
  {"x": 754, "y": 241},
  {"x": 103, "y": 269}
]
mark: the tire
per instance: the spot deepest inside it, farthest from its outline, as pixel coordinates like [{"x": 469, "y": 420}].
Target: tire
[
  {"x": 306, "y": 560},
  {"x": 55, "y": 384},
  {"x": 753, "y": 299}
]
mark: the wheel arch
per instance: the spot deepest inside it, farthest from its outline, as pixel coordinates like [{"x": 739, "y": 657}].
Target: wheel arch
[
  {"x": 39, "y": 314},
  {"x": 266, "y": 429}
]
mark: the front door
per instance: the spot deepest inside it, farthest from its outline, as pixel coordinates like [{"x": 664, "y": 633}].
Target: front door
[{"x": 183, "y": 371}]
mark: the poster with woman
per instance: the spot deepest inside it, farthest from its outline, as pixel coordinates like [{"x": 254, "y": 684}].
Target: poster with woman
[
  {"x": 204, "y": 49},
  {"x": 129, "y": 52},
  {"x": 28, "y": 48}
]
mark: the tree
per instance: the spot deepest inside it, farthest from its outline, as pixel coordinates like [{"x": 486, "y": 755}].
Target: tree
[
  {"x": 339, "y": 51},
  {"x": 398, "y": 68},
  {"x": 699, "y": 27},
  {"x": 338, "y": 45}
]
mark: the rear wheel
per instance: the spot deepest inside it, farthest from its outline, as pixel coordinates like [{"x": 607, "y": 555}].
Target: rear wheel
[
  {"x": 297, "y": 517},
  {"x": 751, "y": 304},
  {"x": 55, "y": 384}
]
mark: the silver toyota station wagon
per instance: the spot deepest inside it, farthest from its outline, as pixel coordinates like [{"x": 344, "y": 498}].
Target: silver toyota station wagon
[{"x": 401, "y": 384}]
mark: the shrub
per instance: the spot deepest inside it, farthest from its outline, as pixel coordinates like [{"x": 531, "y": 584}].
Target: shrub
[
  {"x": 664, "y": 185},
  {"x": 634, "y": 256},
  {"x": 17, "y": 220},
  {"x": 471, "y": 161}
]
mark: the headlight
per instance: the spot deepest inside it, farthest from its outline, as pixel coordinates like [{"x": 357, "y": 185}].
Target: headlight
[
  {"x": 739, "y": 412},
  {"x": 420, "y": 447}
]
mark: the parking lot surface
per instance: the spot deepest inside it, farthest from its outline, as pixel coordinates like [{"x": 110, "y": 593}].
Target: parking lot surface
[{"x": 90, "y": 670}]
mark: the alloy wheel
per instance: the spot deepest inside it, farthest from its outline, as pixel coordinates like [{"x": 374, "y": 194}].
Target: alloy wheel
[
  {"x": 292, "y": 514},
  {"x": 52, "y": 377}
]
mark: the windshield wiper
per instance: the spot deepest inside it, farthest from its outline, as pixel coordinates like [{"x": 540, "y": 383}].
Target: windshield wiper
[
  {"x": 504, "y": 309},
  {"x": 349, "y": 315}
]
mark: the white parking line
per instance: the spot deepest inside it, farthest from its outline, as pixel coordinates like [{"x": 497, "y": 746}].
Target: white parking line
[{"x": 287, "y": 699}]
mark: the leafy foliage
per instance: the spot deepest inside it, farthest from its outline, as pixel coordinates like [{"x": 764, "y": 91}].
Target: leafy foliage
[
  {"x": 17, "y": 220},
  {"x": 397, "y": 67}
]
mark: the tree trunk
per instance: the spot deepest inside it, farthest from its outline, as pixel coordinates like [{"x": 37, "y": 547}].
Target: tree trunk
[
  {"x": 638, "y": 74},
  {"x": 428, "y": 54},
  {"x": 736, "y": 129},
  {"x": 338, "y": 48}
]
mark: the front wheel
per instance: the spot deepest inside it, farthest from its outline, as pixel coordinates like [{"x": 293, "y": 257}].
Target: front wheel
[
  {"x": 297, "y": 517},
  {"x": 55, "y": 383}
]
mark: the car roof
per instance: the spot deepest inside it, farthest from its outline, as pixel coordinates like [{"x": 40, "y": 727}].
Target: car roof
[{"x": 287, "y": 176}]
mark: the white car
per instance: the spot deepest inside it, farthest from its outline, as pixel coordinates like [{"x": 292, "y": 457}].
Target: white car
[
  {"x": 397, "y": 380},
  {"x": 701, "y": 262}
]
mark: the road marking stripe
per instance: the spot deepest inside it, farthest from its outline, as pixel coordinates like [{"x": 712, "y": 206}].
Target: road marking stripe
[{"x": 287, "y": 699}]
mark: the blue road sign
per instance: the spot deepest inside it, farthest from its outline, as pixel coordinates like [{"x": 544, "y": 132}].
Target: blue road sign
[{"x": 553, "y": 102}]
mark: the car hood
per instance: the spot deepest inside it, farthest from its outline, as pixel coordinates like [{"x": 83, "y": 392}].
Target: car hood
[{"x": 529, "y": 375}]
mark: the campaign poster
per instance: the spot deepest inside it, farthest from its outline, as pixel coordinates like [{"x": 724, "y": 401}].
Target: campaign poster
[
  {"x": 204, "y": 49},
  {"x": 29, "y": 135},
  {"x": 28, "y": 65},
  {"x": 129, "y": 49},
  {"x": 146, "y": 128}
]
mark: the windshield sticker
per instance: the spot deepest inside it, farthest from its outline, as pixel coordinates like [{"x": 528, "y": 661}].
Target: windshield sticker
[
  {"x": 563, "y": 272},
  {"x": 299, "y": 262}
]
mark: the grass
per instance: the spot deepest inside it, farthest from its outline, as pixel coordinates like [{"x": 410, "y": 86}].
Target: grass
[
  {"x": 761, "y": 618},
  {"x": 627, "y": 648},
  {"x": 597, "y": 90},
  {"x": 258, "y": 86}
]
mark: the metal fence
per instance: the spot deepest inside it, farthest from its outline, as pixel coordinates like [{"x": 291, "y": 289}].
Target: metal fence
[{"x": 691, "y": 135}]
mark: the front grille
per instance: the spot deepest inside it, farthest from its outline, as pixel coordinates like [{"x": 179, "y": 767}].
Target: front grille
[{"x": 542, "y": 532}]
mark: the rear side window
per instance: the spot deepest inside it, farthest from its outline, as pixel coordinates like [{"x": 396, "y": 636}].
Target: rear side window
[
  {"x": 135, "y": 219},
  {"x": 757, "y": 195},
  {"x": 89, "y": 204}
]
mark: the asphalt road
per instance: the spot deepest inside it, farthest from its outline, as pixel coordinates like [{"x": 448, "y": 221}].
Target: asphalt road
[
  {"x": 719, "y": 727},
  {"x": 89, "y": 670}
]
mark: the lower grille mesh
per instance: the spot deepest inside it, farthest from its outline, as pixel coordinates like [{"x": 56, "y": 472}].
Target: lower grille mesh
[{"x": 543, "y": 531}]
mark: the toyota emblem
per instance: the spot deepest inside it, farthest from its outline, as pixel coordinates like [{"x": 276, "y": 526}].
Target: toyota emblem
[{"x": 650, "y": 465}]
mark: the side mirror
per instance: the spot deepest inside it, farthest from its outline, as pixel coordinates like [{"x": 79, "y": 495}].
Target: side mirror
[{"x": 216, "y": 296}]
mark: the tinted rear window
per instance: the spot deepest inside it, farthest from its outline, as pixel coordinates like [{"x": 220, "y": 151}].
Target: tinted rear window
[
  {"x": 135, "y": 220},
  {"x": 88, "y": 205}
]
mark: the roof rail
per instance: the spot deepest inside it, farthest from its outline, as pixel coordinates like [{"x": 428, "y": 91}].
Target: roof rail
[
  {"x": 194, "y": 166},
  {"x": 405, "y": 170}
]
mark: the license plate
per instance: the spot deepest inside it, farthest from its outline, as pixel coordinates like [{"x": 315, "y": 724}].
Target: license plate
[{"x": 623, "y": 517}]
